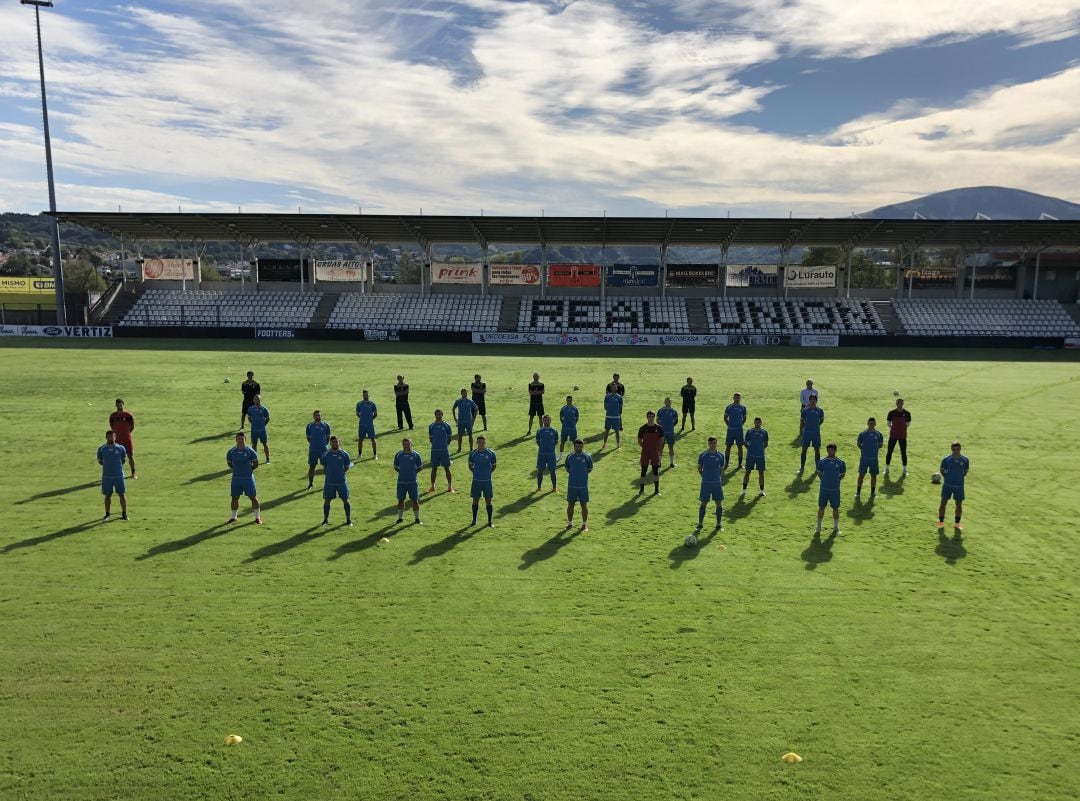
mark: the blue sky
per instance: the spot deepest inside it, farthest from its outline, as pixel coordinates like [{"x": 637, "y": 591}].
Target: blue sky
[{"x": 696, "y": 107}]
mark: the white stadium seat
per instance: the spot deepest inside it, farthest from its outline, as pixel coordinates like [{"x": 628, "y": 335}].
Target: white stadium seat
[
  {"x": 215, "y": 308},
  {"x": 620, "y": 315},
  {"x": 936, "y": 317},
  {"x": 416, "y": 312},
  {"x": 791, "y": 316}
]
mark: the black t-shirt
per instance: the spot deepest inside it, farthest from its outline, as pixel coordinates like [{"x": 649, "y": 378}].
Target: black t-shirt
[
  {"x": 689, "y": 392},
  {"x": 479, "y": 389},
  {"x": 250, "y": 388},
  {"x": 401, "y": 393},
  {"x": 615, "y": 386},
  {"x": 536, "y": 389}
]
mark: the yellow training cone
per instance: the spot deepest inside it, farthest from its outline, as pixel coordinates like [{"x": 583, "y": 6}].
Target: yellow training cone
[
  {"x": 234, "y": 739},
  {"x": 791, "y": 758}
]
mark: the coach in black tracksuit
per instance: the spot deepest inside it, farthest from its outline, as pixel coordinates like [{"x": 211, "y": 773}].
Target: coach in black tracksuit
[{"x": 401, "y": 402}]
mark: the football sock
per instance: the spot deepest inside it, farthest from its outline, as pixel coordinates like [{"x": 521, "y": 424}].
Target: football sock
[
  {"x": 941, "y": 518},
  {"x": 719, "y": 515},
  {"x": 234, "y": 514},
  {"x": 489, "y": 508},
  {"x": 326, "y": 511},
  {"x": 700, "y": 516},
  {"x": 348, "y": 512},
  {"x": 475, "y": 509},
  {"x": 958, "y": 518}
]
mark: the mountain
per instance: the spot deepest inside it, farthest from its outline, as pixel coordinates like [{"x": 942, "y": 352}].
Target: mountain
[{"x": 996, "y": 202}]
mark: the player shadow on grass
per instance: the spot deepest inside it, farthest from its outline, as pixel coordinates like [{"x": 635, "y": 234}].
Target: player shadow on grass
[
  {"x": 178, "y": 545},
  {"x": 860, "y": 512},
  {"x": 891, "y": 486},
  {"x": 741, "y": 508},
  {"x": 524, "y": 502},
  {"x": 64, "y": 532},
  {"x": 513, "y": 443},
  {"x": 389, "y": 511},
  {"x": 211, "y": 437},
  {"x": 800, "y": 485},
  {"x": 629, "y": 507},
  {"x": 275, "y": 548},
  {"x": 819, "y": 551},
  {"x": 60, "y": 491},
  {"x": 444, "y": 545},
  {"x": 684, "y": 553},
  {"x": 209, "y": 476},
  {"x": 951, "y": 550},
  {"x": 548, "y": 549},
  {"x": 362, "y": 544}
]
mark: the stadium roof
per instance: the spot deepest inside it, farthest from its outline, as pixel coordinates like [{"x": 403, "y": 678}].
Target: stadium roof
[{"x": 371, "y": 229}]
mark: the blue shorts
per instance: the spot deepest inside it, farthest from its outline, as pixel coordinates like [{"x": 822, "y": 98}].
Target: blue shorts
[
  {"x": 257, "y": 437},
  {"x": 243, "y": 486},
  {"x": 613, "y": 423},
  {"x": 711, "y": 490},
  {"x": 440, "y": 458},
  {"x": 956, "y": 493},
  {"x": 112, "y": 484},
  {"x": 734, "y": 437},
  {"x": 464, "y": 427},
  {"x": 809, "y": 439},
  {"x": 577, "y": 495},
  {"x": 366, "y": 431},
  {"x": 545, "y": 461},
  {"x": 568, "y": 434},
  {"x": 830, "y": 497},
  {"x": 482, "y": 488},
  {"x": 669, "y": 437},
  {"x": 868, "y": 466},
  {"x": 755, "y": 463},
  {"x": 412, "y": 490},
  {"x": 313, "y": 455},
  {"x": 331, "y": 491}
]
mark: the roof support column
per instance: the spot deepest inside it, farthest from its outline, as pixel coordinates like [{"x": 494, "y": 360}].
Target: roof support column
[
  {"x": 662, "y": 269},
  {"x": 1035, "y": 286},
  {"x": 780, "y": 271},
  {"x": 485, "y": 278},
  {"x": 721, "y": 274},
  {"x": 847, "y": 268}
]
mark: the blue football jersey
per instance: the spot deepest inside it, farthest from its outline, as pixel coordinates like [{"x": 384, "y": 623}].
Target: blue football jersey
[
  {"x": 870, "y": 443},
  {"x": 337, "y": 463},
  {"x": 482, "y": 462},
  {"x": 667, "y": 417},
  {"x": 318, "y": 435},
  {"x": 112, "y": 460},
  {"x": 712, "y": 466},
  {"x": 613, "y": 404},
  {"x": 830, "y": 471},
  {"x": 366, "y": 411},
  {"x": 242, "y": 461},
  {"x": 954, "y": 470},
  {"x": 757, "y": 439},
  {"x": 812, "y": 419},
  {"x": 546, "y": 440},
  {"x": 568, "y": 416},
  {"x": 466, "y": 409},
  {"x": 736, "y": 415},
  {"x": 578, "y": 466},
  {"x": 407, "y": 465},
  {"x": 259, "y": 417},
  {"x": 439, "y": 434}
]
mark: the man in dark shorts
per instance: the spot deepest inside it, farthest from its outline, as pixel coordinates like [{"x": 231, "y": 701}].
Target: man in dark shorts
[
  {"x": 250, "y": 388},
  {"x": 536, "y": 400},
  {"x": 898, "y": 420},
  {"x": 401, "y": 402},
  {"x": 689, "y": 402},
  {"x": 479, "y": 396},
  {"x": 651, "y": 439},
  {"x": 123, "y": 424}
]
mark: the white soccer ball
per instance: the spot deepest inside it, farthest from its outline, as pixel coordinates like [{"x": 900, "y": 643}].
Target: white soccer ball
[
  {"x": 896, "y": 393},
  {"x": 226, "y": 381},
  {"x": 576, "y": 387},
  {"x": 935, "y": 478},
  {"x": 690, "y": 541}
]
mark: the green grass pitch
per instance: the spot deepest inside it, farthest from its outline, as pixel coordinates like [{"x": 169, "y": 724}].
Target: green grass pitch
[{"x": 518, "y": 662}]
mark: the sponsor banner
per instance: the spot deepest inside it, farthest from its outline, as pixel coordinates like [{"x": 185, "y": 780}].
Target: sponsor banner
[
  {"x": 931, "y": 279},
  {"x": 751, "y": 275},
  {"x": 1072, "y": 342},
  {"x": 275, "y": 333},
  {"x": 798, "y": 276},
  {"x": 693, "y": 274},
  {"x": 75, "y": 331},
  {"x": 285, "y": 270},
  {"x": 820, "y": 341},
  {"x": 517, "y": 274},
  {"x": 505, "y": 338},
  {"x": 168, "y": 269},
  {"x": 761, "y": 339},
  {"x": 447, "y": 273},
  {"x": 693, "y": 340},
  {"x": 573, "y": 275},
  {"x": 633, "y": 275},
  {"x": 340, "y": 270},
  {"x": 29, "y": 284},
  {"x": 992, "y": 277},
  {"x": 377, "y": 334}
]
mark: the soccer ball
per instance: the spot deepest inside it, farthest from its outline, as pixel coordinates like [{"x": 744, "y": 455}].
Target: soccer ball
[
  {"x": 935, "y": 478},
  {"x": 690, "y": 541},
  {"x": 896, "y": 393},
  {"x": 226, "y": 381},
  {"x": 576, "y": 387}
]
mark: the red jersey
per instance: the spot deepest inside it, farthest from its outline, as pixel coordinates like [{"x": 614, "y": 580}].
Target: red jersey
[
  {"x": 651, "y": 438},
  {"x": 898, "y": 422},
  {"x": 122, "y": 424}
]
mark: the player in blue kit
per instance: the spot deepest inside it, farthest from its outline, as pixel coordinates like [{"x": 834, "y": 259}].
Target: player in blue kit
[
  {"x": 243, "y": 461},
  {"x": 439, "y": 434},
  {"x": 259, "y": 416},
  {"x": 546, "y": 440},
  {"x": 464, "y": 412},
  {"x": 336, "y": 464},
  {"x": 407, "y": 463},
  {"x": 613, "y": 403},
  {"x": 870, "y": 442},
  {"x": 954, "y": 468},
  {"x": 666, "y": 417},
  {"x": 366, "y": 412},
  {"x": 111, "y": 457},
  {"x": 831, "y": 472},
  {"x": 578, "y": 466},
  {"x": 482, "y": 465},
  {"x": 710, "y": 466},
  {"x": 812, "y": 418},
  {"x": 757, "y": 440},
  {"x": 568, "y": 420},
  {"x": 735, "y": 417},
  {"x": 318, "y": 438}
]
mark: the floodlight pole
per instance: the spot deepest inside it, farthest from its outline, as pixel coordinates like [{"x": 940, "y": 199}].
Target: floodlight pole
[{"x": 54, "y": 224}]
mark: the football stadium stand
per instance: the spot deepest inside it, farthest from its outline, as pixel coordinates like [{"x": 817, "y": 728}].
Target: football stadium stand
[
  {"x": 792, "y": 316},
  {"x": 416, "y": 312},
  {"x": 939, "y": 317},
  {"x": 607, "y": 315},
  {"x": 210, "y": 308}
]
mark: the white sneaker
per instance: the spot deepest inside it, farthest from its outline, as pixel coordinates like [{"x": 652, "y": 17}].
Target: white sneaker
[
  {"x": 762, "y": 493},
  {"x": 742, "y": 494},
  {"x": 886, "y": 470},
  {"x": 905, "y": 472},
  {"x": 817, "y": 529}
]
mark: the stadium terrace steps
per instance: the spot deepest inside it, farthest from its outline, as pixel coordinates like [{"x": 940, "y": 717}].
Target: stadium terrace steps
[
  {"x": 697, "y": 316},
  {"x": 325, "y": 308},
  {"x": 508, "y": 314},
  {"x": 215, "y": 308},
  {"x": 887, "y": 314},
  {"x": 947, "y": 317}
]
